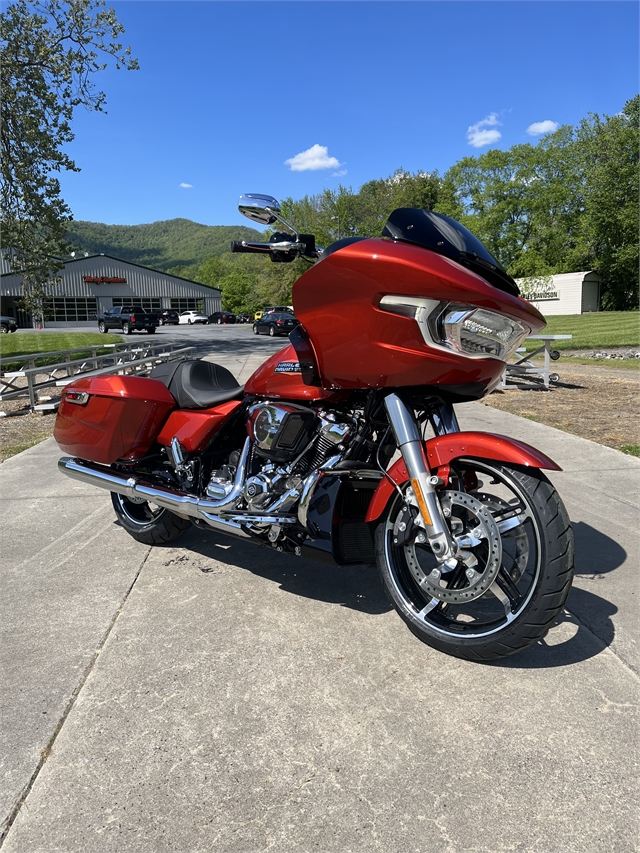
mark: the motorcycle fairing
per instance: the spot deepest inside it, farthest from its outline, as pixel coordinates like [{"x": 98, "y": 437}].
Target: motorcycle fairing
[
  {"x": 361, "y": 346},
  {"x": 445, "y": 448}
]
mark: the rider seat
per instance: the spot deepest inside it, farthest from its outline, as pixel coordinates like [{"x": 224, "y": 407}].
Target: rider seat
[{"x": 198, "y": 384}]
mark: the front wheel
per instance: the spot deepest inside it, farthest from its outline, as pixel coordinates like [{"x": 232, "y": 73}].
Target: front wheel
[
  {"x": 514, "y": 568},
  {"x": 146, "y": 522},
  {"x": 255, "y": 330},
  {"x": 102, "y": 328}
]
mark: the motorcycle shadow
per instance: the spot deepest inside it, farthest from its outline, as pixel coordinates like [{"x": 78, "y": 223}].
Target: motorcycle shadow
[
  {"x": 357, "y": 587},
  {"x": 584, "y": 628}
]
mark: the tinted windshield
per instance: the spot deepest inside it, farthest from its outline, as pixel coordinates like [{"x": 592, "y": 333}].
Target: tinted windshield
[{"x": 447, "y": 237}]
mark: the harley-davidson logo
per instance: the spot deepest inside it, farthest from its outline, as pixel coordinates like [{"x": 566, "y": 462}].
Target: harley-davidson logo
[{"x": 288, "y": 367}]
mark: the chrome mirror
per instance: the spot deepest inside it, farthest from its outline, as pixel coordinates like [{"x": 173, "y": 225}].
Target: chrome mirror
[{"x": 263, "y": 209}]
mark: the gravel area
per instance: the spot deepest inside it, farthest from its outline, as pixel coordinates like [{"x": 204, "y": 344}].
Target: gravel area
[{"x": 594, "y": 402}]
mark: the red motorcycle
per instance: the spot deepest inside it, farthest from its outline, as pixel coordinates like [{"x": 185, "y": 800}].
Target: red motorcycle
[{"x": 473, "y": 544}]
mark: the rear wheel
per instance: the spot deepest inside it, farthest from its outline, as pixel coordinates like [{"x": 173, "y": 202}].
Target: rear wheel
[
  {"x": 272, "y": 331},
  {"x": 255, "y": 330},
  {"x": 151, "y": 330},
  {"x": 126, "y": 329},
  {"x": 514, "y": 569},
  {"x": 146, "y": 522}
]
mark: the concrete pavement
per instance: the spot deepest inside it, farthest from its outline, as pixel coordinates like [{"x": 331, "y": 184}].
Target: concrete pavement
[{"x": 216, "y": 696}]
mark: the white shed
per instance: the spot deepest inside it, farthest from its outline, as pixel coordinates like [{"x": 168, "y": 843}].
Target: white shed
[{"x": 566, "y": 293}]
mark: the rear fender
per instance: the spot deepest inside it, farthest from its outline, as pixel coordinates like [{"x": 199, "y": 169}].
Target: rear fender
[{"x": 445, "y": 448}]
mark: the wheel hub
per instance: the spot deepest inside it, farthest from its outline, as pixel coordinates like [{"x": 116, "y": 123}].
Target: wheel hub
[{"x": 478, "y": 546}]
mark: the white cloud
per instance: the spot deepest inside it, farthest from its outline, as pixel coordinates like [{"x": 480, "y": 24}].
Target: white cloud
[
  {"x": 540, "y": 127},
  {"x": 316, "y": 157},
  {"x": 187, "y": 186},
  {"x": 481, "y": 134},
  {"x": 339, "y": 174}
]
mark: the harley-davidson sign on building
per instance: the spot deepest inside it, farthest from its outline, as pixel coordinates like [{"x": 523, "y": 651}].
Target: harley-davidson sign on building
[{"x": 91, "y": 285}]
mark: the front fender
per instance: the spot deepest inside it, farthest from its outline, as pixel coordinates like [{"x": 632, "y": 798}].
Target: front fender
[{"x": 445, "y": 448}]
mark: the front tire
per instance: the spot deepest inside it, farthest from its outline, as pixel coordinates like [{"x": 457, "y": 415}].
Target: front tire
[
  {"x": 517, "y": 545},
  {"x": 255, "y": 330},
  {"x": 102, "y": 328},
  {"x": 148, "y": 523}
]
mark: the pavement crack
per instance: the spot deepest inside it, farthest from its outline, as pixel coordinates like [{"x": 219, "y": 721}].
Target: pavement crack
[{"x": 48, "y": 749}]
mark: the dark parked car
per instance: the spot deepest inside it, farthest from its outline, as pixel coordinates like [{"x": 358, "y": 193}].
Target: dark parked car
[
  {"x": 220, "y": 317},
  {"x": 275, "y": 324},
  {"x": 168, "y": 318},
  {"x": 8, "y": 325}
]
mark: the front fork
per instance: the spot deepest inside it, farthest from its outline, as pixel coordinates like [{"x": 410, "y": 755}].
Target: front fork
[{"x": 423, "y": 484}]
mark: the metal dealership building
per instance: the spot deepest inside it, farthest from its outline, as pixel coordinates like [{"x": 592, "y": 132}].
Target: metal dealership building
[{"x": 91, "y": 285}]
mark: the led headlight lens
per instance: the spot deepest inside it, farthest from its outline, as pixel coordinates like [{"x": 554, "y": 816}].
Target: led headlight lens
[
  {"x": 466, "y": 329},
  {"x": 476, "y": 331}
]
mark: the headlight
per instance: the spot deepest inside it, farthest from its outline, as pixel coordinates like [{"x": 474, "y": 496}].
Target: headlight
[{"x": 465, "y": 329}]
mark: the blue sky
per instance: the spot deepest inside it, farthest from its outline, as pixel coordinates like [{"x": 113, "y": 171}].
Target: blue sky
[{"x": 228, "y": 92}]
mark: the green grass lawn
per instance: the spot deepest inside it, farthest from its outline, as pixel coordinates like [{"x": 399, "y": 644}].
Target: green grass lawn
[
  {"x": 593, "y": 331},
  {"x": 44, "y": 342},
  {"x": 26, "y": 344}
]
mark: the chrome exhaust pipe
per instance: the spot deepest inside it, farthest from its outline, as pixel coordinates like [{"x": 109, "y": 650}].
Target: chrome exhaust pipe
[{"x": 181, "y": 503}]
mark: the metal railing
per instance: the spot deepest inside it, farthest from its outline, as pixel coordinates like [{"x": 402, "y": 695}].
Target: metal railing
[{"x": 121, "y": 358}]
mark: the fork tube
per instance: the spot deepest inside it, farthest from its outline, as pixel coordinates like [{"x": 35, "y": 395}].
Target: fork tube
[{"x": 411, "y": 446}]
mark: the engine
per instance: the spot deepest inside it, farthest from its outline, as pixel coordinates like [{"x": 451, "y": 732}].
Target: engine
[{"x": 289, "y": 442}]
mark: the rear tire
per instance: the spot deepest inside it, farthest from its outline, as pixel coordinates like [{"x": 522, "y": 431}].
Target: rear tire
[
  {"x": 147, "y": 523},
  {"x": 272, "y": 331},
  {"x": 255, "y": 330},
  {"x": 151, "y": 331},
  {"x": 126, "y": 329},
  {"x": 523, "y": 547}
]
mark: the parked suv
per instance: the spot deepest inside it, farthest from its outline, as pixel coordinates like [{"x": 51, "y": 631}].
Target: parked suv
[
  {"x": 8, "y": 325},
  {"x": 275, "y": 323}
]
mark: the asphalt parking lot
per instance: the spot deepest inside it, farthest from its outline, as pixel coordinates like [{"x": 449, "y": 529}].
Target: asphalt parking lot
[{"x": 216, "y": 696}]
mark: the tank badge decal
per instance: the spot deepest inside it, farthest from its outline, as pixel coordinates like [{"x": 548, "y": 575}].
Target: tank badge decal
[{"x": 288, "y": 367}]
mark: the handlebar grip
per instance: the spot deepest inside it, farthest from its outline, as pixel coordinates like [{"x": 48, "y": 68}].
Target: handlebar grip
[{"x": 236, "y": 246}]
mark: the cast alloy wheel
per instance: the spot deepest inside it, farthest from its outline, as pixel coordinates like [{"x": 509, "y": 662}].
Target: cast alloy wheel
[{"x": 514, "y": 562}]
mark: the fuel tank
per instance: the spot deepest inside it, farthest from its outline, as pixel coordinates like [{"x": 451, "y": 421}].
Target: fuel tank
[
  {"x": 280, "y": 377},
  {"x": 358, "y": 345}
]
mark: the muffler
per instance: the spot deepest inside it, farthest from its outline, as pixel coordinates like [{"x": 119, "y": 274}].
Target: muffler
[{"x": 181, "y": 503}]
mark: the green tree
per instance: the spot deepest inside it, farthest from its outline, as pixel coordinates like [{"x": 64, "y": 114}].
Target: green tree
[
  {"x": 50, "y": 50},
  {"x": 522, "y": 203},
  {"x": 608, "y": 233}
]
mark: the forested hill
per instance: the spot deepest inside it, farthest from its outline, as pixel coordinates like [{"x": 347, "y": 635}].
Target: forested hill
[{"x": 160, "y": 245}]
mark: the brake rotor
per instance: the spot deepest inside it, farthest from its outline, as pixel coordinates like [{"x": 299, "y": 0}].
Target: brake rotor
[
  {"x": 518, "y": 533},
  {"x": 479, "y": 547}
]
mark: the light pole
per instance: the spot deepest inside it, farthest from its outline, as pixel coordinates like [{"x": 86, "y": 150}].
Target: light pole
[{"x": 338, "y": 218}]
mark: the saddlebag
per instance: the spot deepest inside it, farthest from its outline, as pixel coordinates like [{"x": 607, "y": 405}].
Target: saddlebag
[{"x": 105, "y": 418}]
